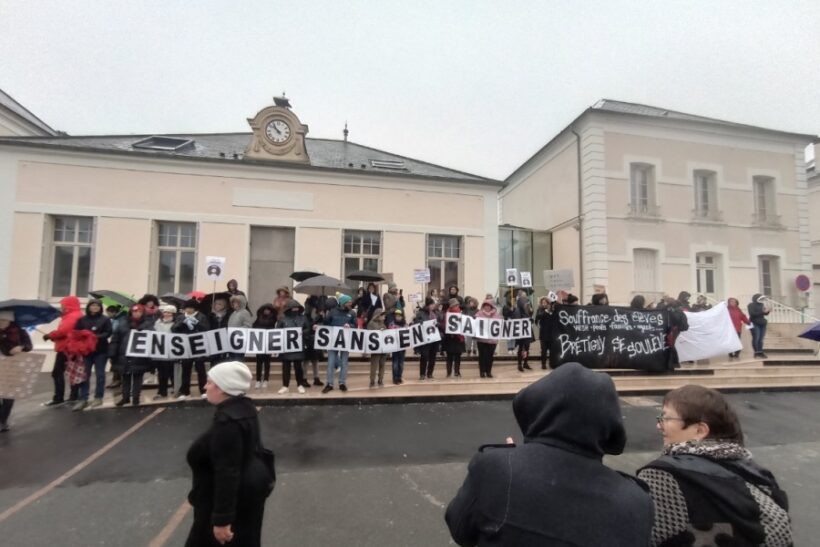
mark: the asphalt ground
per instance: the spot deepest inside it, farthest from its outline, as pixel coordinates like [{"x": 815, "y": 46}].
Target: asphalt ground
[{"x": 348, "y": 475}]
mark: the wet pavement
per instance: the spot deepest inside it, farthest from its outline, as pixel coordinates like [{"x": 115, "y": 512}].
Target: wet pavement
[{"x": 348, "y": 475}]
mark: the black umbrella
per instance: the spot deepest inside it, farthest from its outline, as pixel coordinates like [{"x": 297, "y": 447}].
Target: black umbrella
[
  {"x": 29, "y": 313},
  {"x": 303, "y": 274},
  {"x": 365, "y": 276},
  {"x": 175, "y": 298},
  {"x": 322, "y": 285},
  {"x": 120, "y": 298},
  {"x": 207, "y": 303}
]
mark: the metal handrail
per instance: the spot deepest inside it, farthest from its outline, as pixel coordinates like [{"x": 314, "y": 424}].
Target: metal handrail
[{"x": 779, "y": 312}]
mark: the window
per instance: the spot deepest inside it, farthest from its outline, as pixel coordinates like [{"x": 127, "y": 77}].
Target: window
[
  {"x": 71, "y": 256},
  {"x": 764, "y": 201},
  {"x": 706, "y": 195},
  {"x": 644, "y": 262},
  {"x": 642, "y": 189},
  {"x": 393, "y": 165},
  {"x": 362, "y": 251},
  {"x": 166, "y": 144},
  {"x": 444, "y": 260},
  {"x": 176, "y": 250},
  {"x": 769, "y": 276},
  {"x": 707, "y": 273}
]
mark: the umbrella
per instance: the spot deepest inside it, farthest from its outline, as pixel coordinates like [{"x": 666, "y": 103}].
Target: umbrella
[
  {"x": 362, "y": 275},
  {"x": 29, "y": 313},
  {"x": 321, "y": 285},
  {"x": 304, "y": 274},
  {"x": 113, "y": 297},
  {"x": 207, "y": 303},
  {"x": 199, "y": 295},
  {"x": 812, "y": 333},
  {"x": 175, "y": 298}
]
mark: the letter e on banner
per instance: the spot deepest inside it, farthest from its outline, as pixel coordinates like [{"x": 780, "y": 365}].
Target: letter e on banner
[{"x": 138, "y": 344}]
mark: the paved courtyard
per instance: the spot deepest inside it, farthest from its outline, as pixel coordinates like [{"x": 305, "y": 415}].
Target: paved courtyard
[{"x": 348, "y": 475}]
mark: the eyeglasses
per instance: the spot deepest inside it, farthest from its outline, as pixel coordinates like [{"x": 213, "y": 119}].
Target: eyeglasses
[{"x": 661, "y": 419}]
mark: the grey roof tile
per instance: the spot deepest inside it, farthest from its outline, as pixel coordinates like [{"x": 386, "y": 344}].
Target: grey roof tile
[{"x": 8, "y": 102}]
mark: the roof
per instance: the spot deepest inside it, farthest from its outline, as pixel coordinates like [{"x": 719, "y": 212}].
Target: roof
[
  {"x": 9, "y": 103},
  {"x": 610, "y": 106},
  {"x": 221, "y": 147}
]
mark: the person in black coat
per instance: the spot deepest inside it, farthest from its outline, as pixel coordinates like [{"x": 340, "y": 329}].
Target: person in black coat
[
  {"x": 554, "y": 490},
  {"x": 191, "y": 321},
  {"x": 265, "y": 319},
  {"x": 232, "y": 478},
  {"x": 97, "y": 322},
  {"x": 132, "y": 368},
  {"x": 543, "y": 318},
  {"x": 294, "y": 318},
  {"x": 13, "y": 340}
]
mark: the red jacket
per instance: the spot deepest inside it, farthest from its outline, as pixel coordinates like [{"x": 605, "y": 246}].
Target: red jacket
[
  {"x": 71, "y": 314},
  {"x": 738, "y": 318}
]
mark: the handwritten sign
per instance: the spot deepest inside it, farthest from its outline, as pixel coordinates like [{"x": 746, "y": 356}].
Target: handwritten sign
[
  {"x": 609, "y": 337},
  {"x": 18, "y": 374},
  {"x": 421, "y": 275},
  {"x": 558, "y": 280}
]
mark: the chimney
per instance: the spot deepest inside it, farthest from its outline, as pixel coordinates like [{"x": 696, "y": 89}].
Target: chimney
[{"x": 345, "y": 132}]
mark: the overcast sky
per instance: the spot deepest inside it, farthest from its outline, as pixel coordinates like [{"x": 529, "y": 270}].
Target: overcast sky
[{"x": 474, "y": 85}]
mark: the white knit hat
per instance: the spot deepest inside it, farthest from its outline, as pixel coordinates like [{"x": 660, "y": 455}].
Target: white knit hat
[
  {"x": 232, "y": 377},
  {"x": 167, "y": 308}
]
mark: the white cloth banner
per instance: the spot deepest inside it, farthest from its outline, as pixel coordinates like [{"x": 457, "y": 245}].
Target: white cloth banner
[
  {"x": 710, "y": 334},
  {"x": 483, "y": 327},
  {"x": 173, "y": 346},
  {"x": 375, "y": 341}
]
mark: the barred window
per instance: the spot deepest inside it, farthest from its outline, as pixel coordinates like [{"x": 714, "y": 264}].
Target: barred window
[
  {"x": 72, "y": 244},
  {"x": 176, "y": 253}
]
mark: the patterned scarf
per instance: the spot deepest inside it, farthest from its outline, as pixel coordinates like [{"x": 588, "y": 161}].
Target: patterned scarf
[{"x": 714, "y": 449}]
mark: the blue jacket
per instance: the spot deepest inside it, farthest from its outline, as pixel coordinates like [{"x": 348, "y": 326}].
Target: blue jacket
[{"x": 339, "y": 317}]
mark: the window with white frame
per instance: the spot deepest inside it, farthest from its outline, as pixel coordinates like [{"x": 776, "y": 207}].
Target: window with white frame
[
  {"x": 176, "y": 256},
  {"x": 763, "y": 190},
  {"x": 769, "y": 268},
  {"x": 708, "y": 269},
  {"x": 706, "y": 194},
  {"x": 72, "y": 244},
  {"x": 362, "y": 250},
  {"x": 645, "y": 264},
  {"x": 444, "y": 260},
  {"x": 641, "y": 189}
]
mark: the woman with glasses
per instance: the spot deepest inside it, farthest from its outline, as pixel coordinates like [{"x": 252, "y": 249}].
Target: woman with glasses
[{"x": 706, "y": 488}]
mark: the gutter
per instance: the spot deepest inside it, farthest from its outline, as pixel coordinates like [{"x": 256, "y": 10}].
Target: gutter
[{"x": 580, "y": 221}]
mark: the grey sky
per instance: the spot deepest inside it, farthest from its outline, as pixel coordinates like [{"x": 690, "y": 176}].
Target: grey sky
[{"x": 477, "y": 86}]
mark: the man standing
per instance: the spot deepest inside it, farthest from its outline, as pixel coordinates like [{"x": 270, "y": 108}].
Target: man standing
[
  {"x": 339, "y": 316},
  {"x": 98, "y": 323}
]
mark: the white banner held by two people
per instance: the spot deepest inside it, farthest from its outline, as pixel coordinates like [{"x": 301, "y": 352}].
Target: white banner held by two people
[
  {"x": 710, "y": 334},
  {"x": 375, "y": 341},
  {"x": 172, "y": 346}
]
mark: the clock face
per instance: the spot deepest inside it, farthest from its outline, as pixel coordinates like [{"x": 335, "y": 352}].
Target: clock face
[{"x": 277, "y": 131}]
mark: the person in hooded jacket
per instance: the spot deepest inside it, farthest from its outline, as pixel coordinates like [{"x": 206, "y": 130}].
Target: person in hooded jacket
[
  {"x": 427, "y": 352},
  {"x": 452, "y": 292},
  {"x": 265, "y": 319},
  {"x": 706, "y": 487},
  {"x": 231, "y": 478},
  {"x": 233, "y": 289},
  {"x": 314, "y": 309},
  {"x": 340, "y": 315},
  {"x": 738, "y": 320},
  {"x": 281, "y": 300},
  {"x": 757, "y": 315},
  {"x": 13, "y": 340},
  {"x": 240, "y": 318},
  {"x": 453, "y": 344},
  {"x": 486, "y": 346},
  {"x": 294, "y": 318},
  {"x": 165, "y": 368},
  {"x": 118, "y": 317},
  {"x": 133, "y": 369},
  {"x": 97, "y": 322},
  {"x": 377, "y": 360},
  {"x": 191, "y": 321},
  {"x": 70, "y": 306},
  {"x": 523, "y": 310},
  {"x": 554, "y": 490}
]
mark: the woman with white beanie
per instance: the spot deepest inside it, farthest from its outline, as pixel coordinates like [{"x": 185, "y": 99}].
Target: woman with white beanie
[{"x": 232, "y": 473}]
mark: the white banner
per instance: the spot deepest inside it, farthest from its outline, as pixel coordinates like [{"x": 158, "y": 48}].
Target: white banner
[
  {"x": 375, "y": 341},
  {"x": 711, "y": 333},
  {"x": 173, "y": 346},
  {"x": 483, "y": 327}
]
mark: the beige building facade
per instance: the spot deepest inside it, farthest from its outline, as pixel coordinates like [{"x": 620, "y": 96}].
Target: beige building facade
[
  {"x": 642, "y": 200},
  {"x": 140, "y": 214}
]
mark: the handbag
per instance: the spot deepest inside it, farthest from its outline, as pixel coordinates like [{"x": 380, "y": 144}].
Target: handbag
[{"x": 268, "y": 460}]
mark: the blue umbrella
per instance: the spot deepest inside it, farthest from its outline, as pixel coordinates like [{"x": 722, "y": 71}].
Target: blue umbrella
[
  {"x": 30, "y": 313},
  {"x": 812, "y": 333}
]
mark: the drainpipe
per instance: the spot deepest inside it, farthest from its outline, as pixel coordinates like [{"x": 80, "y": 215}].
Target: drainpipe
[{"x": 580, "y": 222}]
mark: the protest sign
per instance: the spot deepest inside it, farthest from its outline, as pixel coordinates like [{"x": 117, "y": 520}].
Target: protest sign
[
  {"x": 415, "y": 297},
  {"x": 214, "y": 267},
  {"x": 558, "y": 280},
  {"x": 711, "y": 333},
  {"x": 421, "y": 276},
  {"x": 483, "y": 327},
  {"x": 513, "y": 280},
  {"x": 526, "y": 280},
  {"x": 609, "y": 337},
  {"x": 172, "y": 346},
  {"x": 375, "y": 341},
  {"x": 18, "y": 374}
]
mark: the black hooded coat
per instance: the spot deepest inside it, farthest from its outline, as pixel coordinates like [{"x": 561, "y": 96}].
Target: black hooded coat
[{"x": 554, "y": 490}]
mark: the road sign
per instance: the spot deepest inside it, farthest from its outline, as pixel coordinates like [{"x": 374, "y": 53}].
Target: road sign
[{"x": 802, "y": 282}]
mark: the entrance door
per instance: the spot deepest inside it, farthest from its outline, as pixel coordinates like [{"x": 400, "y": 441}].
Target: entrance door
[{"x": 271, "y": 263}]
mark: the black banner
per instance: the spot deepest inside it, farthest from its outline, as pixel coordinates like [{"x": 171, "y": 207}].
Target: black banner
[{"x": 610, "y": 337}]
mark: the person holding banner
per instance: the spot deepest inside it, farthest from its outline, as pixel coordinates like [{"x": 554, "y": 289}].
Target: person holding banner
[
  {"x": 132, "y": 368},
  {"x": 397, "y": 321},
  {"x": 97, "y": 322},
  {"x": 191, "y": 321},
  {"x": 738, "y": 320},
  {"x": 377, "y": 360},
  {"x": 165, "y": 369},
  {"x": 13, "y": 340},
  {"x": 265, "y": 319},
  {"x": 486, "y": 346},
  {"x": 454, "y": 343},
  {"x": 470, "y": 309},
  {"x": 240, "y": 318},
  {"x": 71, "y": 313},
  {"x": 523, "y": 310},
  {"x": 340, "y": 315},
  {"x": 543, "y": 318},
  {"x": 294, "y": 317},
  {"x": 427, "y": 352}
]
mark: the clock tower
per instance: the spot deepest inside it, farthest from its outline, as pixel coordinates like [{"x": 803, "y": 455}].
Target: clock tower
[{"x": 278, "y": 135}]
